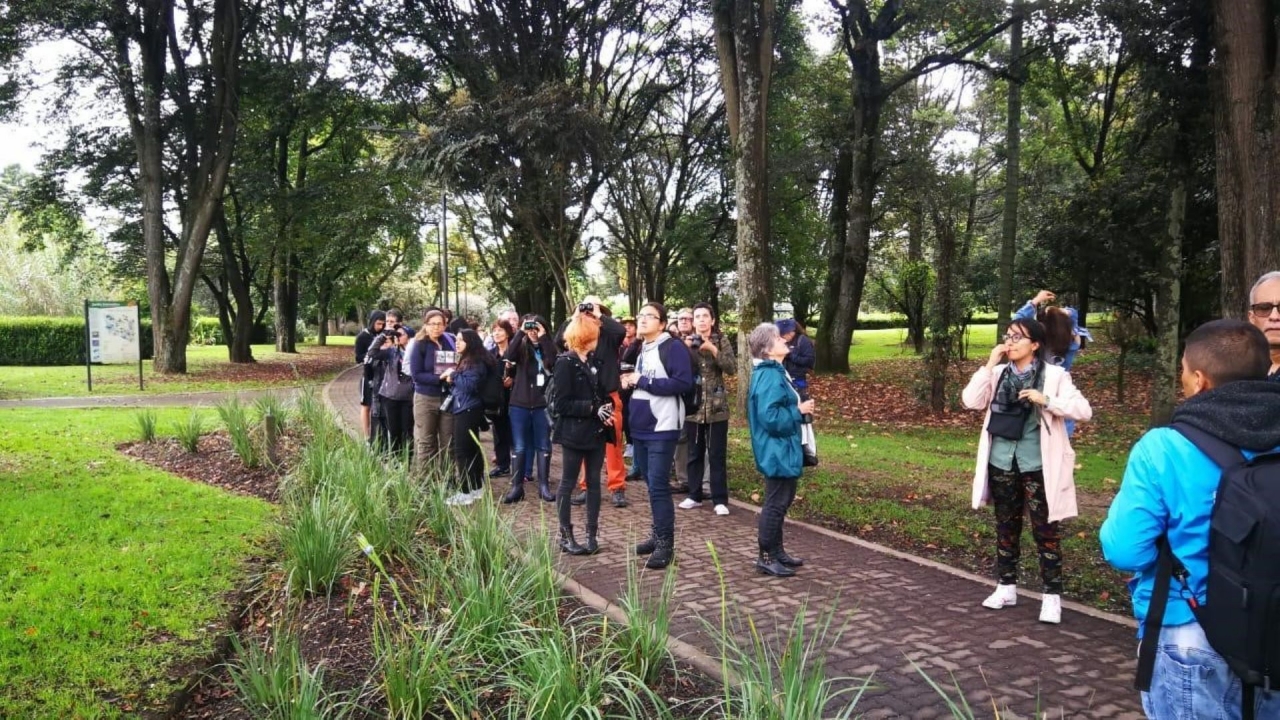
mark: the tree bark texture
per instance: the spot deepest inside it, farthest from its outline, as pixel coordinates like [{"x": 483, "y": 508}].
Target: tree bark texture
[
  {"x": 744, "y": 47},
  {"x": 1248, "y": 146}
]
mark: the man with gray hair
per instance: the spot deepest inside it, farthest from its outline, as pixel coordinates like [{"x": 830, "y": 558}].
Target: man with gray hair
[{"x": 1264, "y": 313}]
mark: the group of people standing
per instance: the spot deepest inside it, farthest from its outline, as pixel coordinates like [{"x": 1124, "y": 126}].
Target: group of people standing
[{"x": 602, "y": 390}]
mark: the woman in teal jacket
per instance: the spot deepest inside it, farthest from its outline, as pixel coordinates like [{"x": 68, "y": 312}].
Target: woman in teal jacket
[{"x": 774, "y": 413}]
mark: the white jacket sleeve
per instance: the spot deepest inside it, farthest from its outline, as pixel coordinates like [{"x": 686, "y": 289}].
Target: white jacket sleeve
[{"x": 977, "y": 394}]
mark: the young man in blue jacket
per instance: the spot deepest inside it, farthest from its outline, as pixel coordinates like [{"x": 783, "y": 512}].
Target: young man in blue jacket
[{"x": 1168, "y": 491}]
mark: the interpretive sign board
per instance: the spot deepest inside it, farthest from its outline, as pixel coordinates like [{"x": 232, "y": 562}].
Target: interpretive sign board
[{"x": 113, "y": 335}]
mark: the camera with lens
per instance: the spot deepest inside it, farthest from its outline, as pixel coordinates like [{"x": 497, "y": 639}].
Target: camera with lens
[
  {"x": 530, "y": 325},
  {"x": 695, "y": 342},
  {"x": 586, "y": 307},
  {"x": 626, "y": 368}
]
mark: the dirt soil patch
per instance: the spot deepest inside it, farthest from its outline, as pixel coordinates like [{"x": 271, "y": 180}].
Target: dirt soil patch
[{"x": 215, "y": 463}]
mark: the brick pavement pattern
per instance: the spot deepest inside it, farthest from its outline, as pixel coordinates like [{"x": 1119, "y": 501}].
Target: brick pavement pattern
[{"x": 893, "y": 611}]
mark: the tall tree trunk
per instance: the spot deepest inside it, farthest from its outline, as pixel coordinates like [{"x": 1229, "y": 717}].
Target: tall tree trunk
[
  {"x": 1012, "y": 173},
  {"x": 838, "y": 227},
  {"x": 322, "y": 322},
  {"x": 1248, "y": 125},
  {"x": 744, "y": 47},
  {"x": 943, "y": 332},
  {"x": 1168, "y": 306}
]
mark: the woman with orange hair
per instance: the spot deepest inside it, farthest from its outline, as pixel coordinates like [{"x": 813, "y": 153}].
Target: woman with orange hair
[{"x": 582, "y": 411}]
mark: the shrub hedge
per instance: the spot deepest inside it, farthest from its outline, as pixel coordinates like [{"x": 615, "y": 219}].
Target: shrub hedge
[
  {"x": 36, "y": 341},
  {"x": 208, "y": 331}
]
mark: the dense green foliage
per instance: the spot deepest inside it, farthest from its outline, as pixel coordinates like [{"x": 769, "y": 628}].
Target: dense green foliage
[{"x": 44, "y": 341}]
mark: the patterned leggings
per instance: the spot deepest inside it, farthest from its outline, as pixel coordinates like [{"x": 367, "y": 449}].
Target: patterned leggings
[{"x": 1012, "y": 491}]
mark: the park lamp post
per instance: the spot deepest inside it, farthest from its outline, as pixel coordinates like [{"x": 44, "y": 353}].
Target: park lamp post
[{"x": 460, "y": 271}]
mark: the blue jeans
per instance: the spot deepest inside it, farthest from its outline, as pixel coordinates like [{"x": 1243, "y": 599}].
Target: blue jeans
[
  {"x": 529, "y": 431},
  {"x": 1192, "y": 681},
  {"x": 652, "y": 459}
]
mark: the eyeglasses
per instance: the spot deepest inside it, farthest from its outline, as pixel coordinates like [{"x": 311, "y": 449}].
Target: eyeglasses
[
  {"x": 1014, "y": 337},
  {"x": 435, "y": 323},
  {"x": 686, "y": 319},
  {"x": 651, "y": 316},
  {"x": 1264, "y": 309}
]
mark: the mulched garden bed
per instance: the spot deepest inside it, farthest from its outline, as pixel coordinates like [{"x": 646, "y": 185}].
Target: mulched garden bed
[{"x": 336, "y": 632}]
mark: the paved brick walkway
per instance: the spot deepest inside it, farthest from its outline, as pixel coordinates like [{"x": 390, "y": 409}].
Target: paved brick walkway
[{"x": 894, "y": 609}]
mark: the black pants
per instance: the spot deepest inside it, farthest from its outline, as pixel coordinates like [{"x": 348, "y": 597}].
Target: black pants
[
  {"x": 467, "y": 453},
  {"x": 398, "y": 418},
  {"x": 572, "y": 460},
  {"x": 778, "y": 496},
  {"x": 502, "y": 439},
  {"x": 711, "y": 440}
]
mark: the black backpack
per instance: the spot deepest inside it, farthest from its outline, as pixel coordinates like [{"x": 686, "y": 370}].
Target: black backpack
[
  {"x": 1241, "y": 614},
  {"x": 550, "y": 392},
  {"x": 491, "y": 395}
]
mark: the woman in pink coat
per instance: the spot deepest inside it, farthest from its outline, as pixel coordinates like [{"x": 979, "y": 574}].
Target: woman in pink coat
[{"x": 1025, "y": 460}]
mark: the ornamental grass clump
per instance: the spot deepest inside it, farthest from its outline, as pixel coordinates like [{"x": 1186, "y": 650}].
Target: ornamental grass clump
[
  {"x": 146, "y": 425},
  {"x": 316, "y": 540},
  {"x": 190, "y": 431},
  {"x": 641, "y": 642},
  {"x": 274, "y": 682},
  {"x": 235, "y": 418}
]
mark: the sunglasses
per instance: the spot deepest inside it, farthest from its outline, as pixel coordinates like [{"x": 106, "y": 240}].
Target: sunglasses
[{"x": 1264, "y": 309}]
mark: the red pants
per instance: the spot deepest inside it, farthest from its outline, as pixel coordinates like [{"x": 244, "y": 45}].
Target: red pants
[{"x": 615, "y": 466}]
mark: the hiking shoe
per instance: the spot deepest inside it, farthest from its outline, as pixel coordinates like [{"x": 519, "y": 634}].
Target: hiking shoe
[
  {"x": 1051, "y": 609},
  {"x": 722, "y": 509},
  {"x": 619, "y": 498},
  {"x": 1004, "y": 596}
]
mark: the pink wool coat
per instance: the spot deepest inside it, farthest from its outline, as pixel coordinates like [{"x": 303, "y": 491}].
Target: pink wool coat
[{"x": 1059, "y": 460}]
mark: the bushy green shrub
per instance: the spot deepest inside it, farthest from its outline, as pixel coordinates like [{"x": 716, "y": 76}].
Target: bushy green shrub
[
  {"x": 42, "y": 341},
  {"x": 208, "y": 331}
]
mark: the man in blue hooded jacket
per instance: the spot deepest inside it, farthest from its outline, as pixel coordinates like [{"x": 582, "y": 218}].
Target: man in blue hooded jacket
[{"x": 1168, "y": 491}]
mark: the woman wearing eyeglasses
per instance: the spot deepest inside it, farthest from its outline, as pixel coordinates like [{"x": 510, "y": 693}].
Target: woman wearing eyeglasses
[
  {"x": 1025, "y": 461},
  {"x": 1264, "y": 313}
]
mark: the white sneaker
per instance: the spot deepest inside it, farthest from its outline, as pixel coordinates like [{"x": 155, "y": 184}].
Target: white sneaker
[
  {"x": 1051, "y": 609},
  {"x": 458, "y": 499},
  {"x": 1004, "y": 596},
  {"x": 689, "y": 504},
  {"x": 722, "y": 509},
  {"x": 628, "y": 452},
  {"x": 476, "y": 495}
]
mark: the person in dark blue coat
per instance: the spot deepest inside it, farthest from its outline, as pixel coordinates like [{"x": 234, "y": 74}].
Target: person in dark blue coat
[
  {"x": 800, "y": 357},
  {"x": 774, "y": 412},
  {"x": 467, "y": 408},
  {"x": 377, "y": 321}
]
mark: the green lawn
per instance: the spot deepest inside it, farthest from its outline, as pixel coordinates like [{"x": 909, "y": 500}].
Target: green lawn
[
  {"x": 111, "y": 573},
  {"x": 208, "y": 370},
  {"x": 871, "y": 345},
  {"x": 910, "y": 488}
]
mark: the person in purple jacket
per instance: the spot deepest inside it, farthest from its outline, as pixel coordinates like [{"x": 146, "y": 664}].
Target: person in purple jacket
[
  {"x": 432, "y": 353},
  {"x": 664, "y": 372}
]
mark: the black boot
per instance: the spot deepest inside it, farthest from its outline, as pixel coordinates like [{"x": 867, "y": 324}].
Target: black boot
[
  {"x": 646, "y": 546},
  {"x": 664, "y": 551},
  {"x": 567, "y": 542},
  {"x": 516, "y": 493},
  {"x": 592, "y": 546},
  {"x": 787, "y": 559},
  {"x": 543, "y": 461},
  {"x": 768, "y": 564}
]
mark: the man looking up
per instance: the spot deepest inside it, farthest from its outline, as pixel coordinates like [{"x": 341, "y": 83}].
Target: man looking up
[
  {"x": 1168, "y": 495},
  {"x": 1264, "y": 313}
]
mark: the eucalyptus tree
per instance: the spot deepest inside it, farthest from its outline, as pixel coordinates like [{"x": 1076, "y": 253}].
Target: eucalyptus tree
[{"x": 171, "y": 75}]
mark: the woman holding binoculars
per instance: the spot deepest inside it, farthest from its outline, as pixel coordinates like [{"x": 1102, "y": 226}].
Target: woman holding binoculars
[{"x": 533, "y": 354}]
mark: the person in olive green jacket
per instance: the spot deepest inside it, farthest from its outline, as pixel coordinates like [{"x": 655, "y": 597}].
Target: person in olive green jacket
[
  {"x": 708, "y": 429},
  {"x": 774, "y": 413}
]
